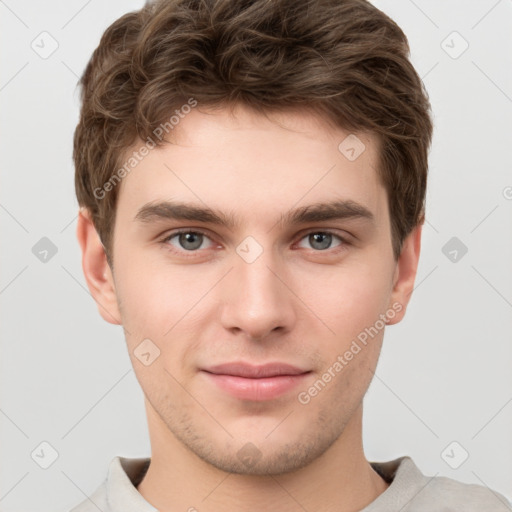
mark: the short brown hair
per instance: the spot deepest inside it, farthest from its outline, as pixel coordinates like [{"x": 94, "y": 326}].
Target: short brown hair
[{"x": 344, "y": 59}]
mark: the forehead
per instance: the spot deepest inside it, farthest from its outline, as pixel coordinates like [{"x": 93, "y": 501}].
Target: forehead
[{"x": 245, "y": 162}]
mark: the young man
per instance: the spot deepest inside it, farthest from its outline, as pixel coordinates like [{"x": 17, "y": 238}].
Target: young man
[{"x": 252, "y": 180}]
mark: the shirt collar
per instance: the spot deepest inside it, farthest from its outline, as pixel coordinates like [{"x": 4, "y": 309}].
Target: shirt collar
[
  {"x": 124, "y": 474},
  {"x": 122, "y": 495}
]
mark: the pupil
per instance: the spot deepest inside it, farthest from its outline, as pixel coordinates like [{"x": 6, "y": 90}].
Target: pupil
[
  {"x": 188, "y": 238},
  {"x": 318, "y": 238}
]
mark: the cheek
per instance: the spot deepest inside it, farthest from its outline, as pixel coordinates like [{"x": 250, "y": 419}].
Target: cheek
[
  {"x": 353, "y": 299},
  {"x": 153, "y": 297},
  {"x": 164, "y": 305},
  {"x": 357, "y": 373}
]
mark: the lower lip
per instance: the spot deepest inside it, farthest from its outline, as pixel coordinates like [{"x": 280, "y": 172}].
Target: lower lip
[{"x": 265, "y": 388}]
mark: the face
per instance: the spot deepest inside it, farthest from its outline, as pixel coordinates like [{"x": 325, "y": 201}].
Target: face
[{"x": 254, "y": 326}]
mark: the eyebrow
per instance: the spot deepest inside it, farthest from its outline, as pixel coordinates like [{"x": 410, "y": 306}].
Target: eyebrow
[{"x": 317, "y": 212}]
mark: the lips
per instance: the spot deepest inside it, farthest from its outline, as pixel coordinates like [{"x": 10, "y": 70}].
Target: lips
[
  {"x": 257, "y": 383},
  {"x": 255, "y": 372}
]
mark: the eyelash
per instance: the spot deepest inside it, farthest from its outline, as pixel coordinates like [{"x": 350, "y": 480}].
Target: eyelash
[{"x": 191, "y": 254}]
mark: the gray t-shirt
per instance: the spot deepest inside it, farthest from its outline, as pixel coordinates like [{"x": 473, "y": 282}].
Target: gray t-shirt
[{"x": 409, "y": 491}]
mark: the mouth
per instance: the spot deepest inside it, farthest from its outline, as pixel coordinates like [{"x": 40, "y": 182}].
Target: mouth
[{"x": 257, "y": 383}]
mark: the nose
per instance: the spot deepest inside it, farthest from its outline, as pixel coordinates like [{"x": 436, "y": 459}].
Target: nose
[{"x": 257, "y": 299}]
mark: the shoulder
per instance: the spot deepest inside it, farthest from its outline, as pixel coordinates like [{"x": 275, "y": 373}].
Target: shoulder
[
  {"x": 118, "y": 492},
  {"x": 412, "y": 491},
  {"x": 96, "y": 501},
  {"x": 454, "y": 496}
]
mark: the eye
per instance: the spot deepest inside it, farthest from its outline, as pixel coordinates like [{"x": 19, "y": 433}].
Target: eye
[
  {"x": 186, "y": 240},
  {"x": 322, "y": 240},
  {"x": 192, "y": 241}
]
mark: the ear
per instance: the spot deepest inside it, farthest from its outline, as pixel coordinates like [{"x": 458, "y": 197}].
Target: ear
[
  {"x": 405, "y": 274},
  {"x": 96, "y": 270}
]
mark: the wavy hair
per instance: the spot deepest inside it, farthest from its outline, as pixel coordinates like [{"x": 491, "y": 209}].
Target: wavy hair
[{"x": 344, "y": 59}]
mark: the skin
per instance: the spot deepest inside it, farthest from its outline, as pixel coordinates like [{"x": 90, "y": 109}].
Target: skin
[{"x": 296, "y": 303}]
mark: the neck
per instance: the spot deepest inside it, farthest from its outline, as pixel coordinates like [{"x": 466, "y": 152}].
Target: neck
[{"x": 340, "y": 480}]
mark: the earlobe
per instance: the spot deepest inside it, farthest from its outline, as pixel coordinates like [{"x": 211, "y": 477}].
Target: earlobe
[
  {"x": 405, "y": 274},
  {"x": 96, "y": 269}
]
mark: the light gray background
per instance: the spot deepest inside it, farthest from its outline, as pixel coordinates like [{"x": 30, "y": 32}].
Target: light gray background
[{"x": 444, "y": 374}]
